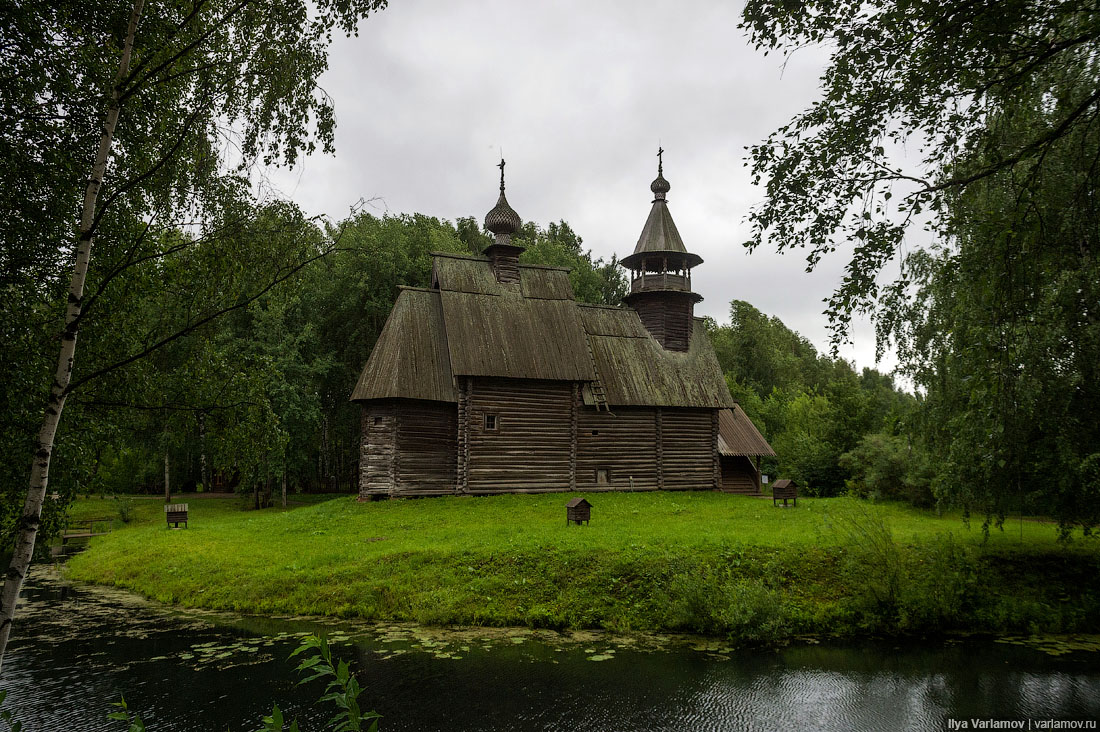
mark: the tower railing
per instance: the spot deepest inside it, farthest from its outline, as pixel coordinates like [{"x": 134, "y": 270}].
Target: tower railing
[{"x": 659, "y": 281}]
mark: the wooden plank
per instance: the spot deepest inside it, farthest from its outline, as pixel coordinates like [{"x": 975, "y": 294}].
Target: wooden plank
[
  {"x": 660, "y": 449},
  {"x": 716, "y": 467},
  {"x": 687, "y": 448},
  {"x": 574, "y": 407},
  {"x": 377, "y": 449}
]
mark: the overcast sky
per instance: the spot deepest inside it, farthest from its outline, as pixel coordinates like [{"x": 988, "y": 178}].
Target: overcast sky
[{"x": 577, "y": 94}]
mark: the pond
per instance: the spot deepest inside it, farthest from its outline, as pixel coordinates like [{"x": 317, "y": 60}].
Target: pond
[{"x": 76, "y": 649}]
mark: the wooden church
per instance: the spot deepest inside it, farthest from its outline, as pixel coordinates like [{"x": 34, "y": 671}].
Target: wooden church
[{"x": 496, "y": 380}]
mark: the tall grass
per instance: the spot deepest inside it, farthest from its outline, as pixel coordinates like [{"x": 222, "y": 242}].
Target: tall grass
[{"x": 699, "y": 562}]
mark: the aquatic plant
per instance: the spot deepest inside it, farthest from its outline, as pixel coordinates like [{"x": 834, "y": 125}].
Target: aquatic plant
[
  {"x": 343, "y": 690},
  {"x": 123, "y": 715},
  {"x": 7, "y": 716}
]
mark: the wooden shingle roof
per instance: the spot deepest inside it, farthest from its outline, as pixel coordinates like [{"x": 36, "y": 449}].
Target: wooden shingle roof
[
  {"x": 636, "y": 371},
  {"x": 737, "y": 435},
  {"x": 410, "y": 359},
  {"x": 473, "y": 325},
  {"x": 660, "y": 236},
  {"x": 515, "y": 337},
  {"x": 522, "y": 330}
]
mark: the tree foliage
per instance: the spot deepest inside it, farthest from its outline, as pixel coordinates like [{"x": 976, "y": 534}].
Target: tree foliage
[
  {"x": 124, "y": 122},
  {"x": 812, "y": 408},
  {"x": 1004, "y": 334},
  {"x": 996, "y": 321},
  {"x": 919, "y": 79},
  {"x": 211, "y": 87}
]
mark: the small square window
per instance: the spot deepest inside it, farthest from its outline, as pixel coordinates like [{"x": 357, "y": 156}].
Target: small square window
[
  {"x": 490, "y": 421},
  {"x": 595, "y": 432},
  {"x": 603, "y": 476},
  {"x": 377, "y": 421}
]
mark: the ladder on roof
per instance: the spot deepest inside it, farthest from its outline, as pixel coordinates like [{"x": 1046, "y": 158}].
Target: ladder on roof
[
  {"x": 599, "y": 395},
  {"x": 595, "y": 385}
]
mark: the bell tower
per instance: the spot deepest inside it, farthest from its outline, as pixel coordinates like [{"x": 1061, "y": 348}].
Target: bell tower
[{"x": 660, "y": 273}]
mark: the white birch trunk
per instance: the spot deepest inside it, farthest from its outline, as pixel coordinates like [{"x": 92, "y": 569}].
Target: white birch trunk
[
  {"x": 204, "y": 470},
  {"x": 40, "y": 468}
]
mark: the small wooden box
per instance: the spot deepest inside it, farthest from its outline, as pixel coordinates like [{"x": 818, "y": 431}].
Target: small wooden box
[
  {"x": 785, "y": 489},
  {"x": 577, "y": 510},
  {"x": 176, "y": 514}
]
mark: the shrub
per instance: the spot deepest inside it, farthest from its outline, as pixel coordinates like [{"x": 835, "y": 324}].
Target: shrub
[{"x": 125, "y": 508}]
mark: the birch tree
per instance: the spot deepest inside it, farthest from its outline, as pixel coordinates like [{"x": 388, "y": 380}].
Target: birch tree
[
  {"x": 126, "y": 120},
  {"x": 912, "y": 87},
  {"x": 980, "y": 121}
]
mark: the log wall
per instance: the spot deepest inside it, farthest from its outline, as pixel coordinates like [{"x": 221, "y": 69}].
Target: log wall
[
  {"x": 376, "y": 449},
  {"x": 623, "y": 442},
  {"x": 668, "y": 316},
  {"x": 544, "y": 439},
  {"x": 426, "y": 448},
  {"x": 407, "y": 447},
  {"x": 529, "y": 450},
  {"x": 687, "y": 439},
  {"x": 462, "y": 452}
]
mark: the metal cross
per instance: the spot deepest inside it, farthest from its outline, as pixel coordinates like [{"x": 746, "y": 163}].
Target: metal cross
[
  {"x": 660, "y": 163},
  {"x": 501, "y": 166}
]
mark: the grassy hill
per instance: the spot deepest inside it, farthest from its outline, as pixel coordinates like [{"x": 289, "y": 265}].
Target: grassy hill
[{"x": 700, "y": 562}]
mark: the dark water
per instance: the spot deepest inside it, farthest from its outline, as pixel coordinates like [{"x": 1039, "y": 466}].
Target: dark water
[{"x": 76, "y": 649}]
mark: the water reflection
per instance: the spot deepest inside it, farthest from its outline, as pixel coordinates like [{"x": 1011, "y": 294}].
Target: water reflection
[{"x": 77, "y": 650}]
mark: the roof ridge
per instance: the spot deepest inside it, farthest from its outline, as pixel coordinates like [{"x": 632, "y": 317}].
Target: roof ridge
[
  {"x": 456, "y": 255},
  {"x": 476, "y": 258},
  {"x": 524, "y": 265},
  {"x": 605, "y": 307}
]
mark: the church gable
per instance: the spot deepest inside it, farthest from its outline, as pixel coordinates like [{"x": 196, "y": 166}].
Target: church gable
[
  {"x": 410, "y": 359},
  {"x": 457, "y": 273}
]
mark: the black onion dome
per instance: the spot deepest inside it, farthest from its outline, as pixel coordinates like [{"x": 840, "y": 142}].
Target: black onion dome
[
  {"x": 659, "y": 186},
  {"x": 502, "y": 219}
]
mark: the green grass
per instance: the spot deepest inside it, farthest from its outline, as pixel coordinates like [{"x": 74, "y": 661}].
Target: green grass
[{"x": 701, "y": 562}]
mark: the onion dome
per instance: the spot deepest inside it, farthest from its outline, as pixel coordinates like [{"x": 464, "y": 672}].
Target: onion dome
[{"x": 502, "y": 219}]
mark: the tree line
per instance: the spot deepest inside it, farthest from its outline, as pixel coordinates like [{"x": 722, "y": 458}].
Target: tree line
[
  {"x": 256, "y": 400},
  {"x": 835, "y": 430}
]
